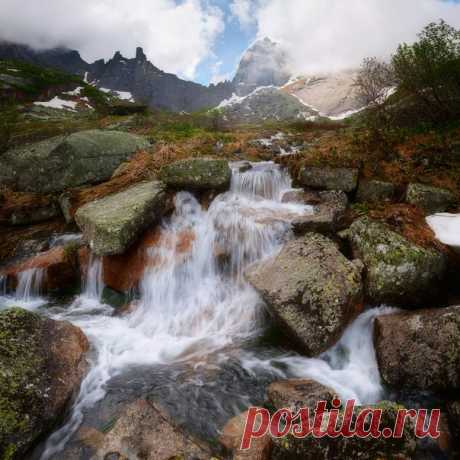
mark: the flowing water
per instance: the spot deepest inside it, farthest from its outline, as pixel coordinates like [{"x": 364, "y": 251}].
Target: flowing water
[{"x": 197, "y": 339}]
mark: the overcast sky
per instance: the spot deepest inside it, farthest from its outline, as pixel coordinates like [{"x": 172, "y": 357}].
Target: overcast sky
[{"x": 203, "y": 39}]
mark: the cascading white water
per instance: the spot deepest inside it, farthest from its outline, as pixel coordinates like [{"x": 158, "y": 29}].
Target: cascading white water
[
  {"x": 28, "y": 293},
  {"x": 94, "y": 285},
  {"x": 195, "y": 301}
]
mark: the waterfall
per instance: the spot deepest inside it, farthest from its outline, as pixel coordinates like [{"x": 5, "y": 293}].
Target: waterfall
[
  {"x": 195, "y": 302},
  {"x": 28, "y": 293},
  {"x": 94, "y": 285}
]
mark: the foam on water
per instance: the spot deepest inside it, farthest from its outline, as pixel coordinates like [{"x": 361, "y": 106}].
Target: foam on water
[{"x": 194, "y": 299}]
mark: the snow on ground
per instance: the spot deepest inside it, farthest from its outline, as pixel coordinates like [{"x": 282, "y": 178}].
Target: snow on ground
[
  {"x": 346, "y": 114},
  {"x": 75, "y": 92},
  {"x": 123, "y": 95},
  {"x": 58, "y": 103},
  {"x": 446, "y": 228}
]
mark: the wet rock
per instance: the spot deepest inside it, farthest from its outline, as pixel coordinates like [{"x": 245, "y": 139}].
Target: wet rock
[
  {"x": 59, "y": 265},
  {"x": 420, "y": 349},
  {"x": 197, "y": 174},
  {"x": 110, "y": 225},
  {"x": 311, "y": 289},
  {"x": 375, "y": 191},
  {"x": 323, "y": 178},
  {"x": 34, "y": 214},
  {"x": 328, "y": 216},
  {"x": 232, "y": 435},
  {"x": 41, "y": 367},
  {"x": 63, "y": 162},
  {"x": 327, "y": 448},
  {"x": 124, "y": 272},
  {"x": 396, "y": 270},
  {"x": 144, "y": 431},
  {"x": 297, "y": 394},
  {"x": 430, "y": 199}
]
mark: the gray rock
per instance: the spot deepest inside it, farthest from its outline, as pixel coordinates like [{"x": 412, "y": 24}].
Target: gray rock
[
  {"x": 63, "y": 162},
  {"x": 329, "y": 213},
  {"x": 430, "y": 199},
  {"x": 375, "y": 191},
  {"x": 344, "y": 179},
  {"x": 311, "y": 289},
  {"x": 297, "y": 394},
  {"x": 396, "y": 270},
  {"x": 327, "y": 448},
  {"x": 197, "y": 174},
  {"x": 113, "y": 223},
  {"x": 32, "y": 215},
  {"x": 420, "y": 350},
  {"x": 42, "y": 363}
]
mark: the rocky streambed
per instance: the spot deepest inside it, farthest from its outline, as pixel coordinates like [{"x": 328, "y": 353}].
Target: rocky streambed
[{"x": 213, "y": 288}]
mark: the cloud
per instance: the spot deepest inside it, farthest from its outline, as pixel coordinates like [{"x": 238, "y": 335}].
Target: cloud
[
  {"x": 217, "y": 76},
  {"x": 243, "y": 11},
  {"x": 323, "y": 35},
  {"x": 176, "y": 36}
]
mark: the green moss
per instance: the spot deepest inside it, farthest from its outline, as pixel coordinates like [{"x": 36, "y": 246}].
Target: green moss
[{"x": 21, "y": 378}]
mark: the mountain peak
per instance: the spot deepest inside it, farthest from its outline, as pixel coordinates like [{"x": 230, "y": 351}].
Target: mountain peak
[{"x": 140, "y": 55}]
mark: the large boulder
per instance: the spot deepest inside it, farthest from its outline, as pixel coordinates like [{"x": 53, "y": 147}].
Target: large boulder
[
  {"x": 42, "y": 364},
  {"x": 397, "y": 271},
  {"x": 368, "y": 448},
  {"x": 420, "y": 349},
  {"x": 197, "y": 174},
  {"x": 232, "y": 435},
  {"x": 375, "y": 191},
  {"x": 296, "y": 394},
  {"x": 143, "y": 430},
  {"x": 63, "y": 162},
  {"x": 329, "y": 210},
  {"x": 312, "y": 290},
  {"x": 323, "y": 178},
  {"x": 110, "y": 225},
  {"x": 430, "y": 199}
]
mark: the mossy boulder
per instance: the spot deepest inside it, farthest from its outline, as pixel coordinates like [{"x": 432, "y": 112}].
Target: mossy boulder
[
  {"x": 375, "y": 191},
  {"x": 197, "y": 174},
  {"x": 420, "y": 350},
  {"x": 430, "y": 199},
  {"x": 327, "y": 448},
  {"x": 311, "y": 289},
  {"x": 63, "y": 162},
  {"x": 110, "y": 225},
  {"x": 41, "y": 367},
  {"x": 324, "y": 178},
  {"x": 397, "y": 271}
]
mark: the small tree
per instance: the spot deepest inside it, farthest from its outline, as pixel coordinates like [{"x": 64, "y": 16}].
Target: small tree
[{"x": 429, "y": 71}]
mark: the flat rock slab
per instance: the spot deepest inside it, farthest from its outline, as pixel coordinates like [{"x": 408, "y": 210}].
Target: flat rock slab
[
  {"x": 344, "y": 179},
  {"x": 63, "y": 162},
  {"x": 420, "y": 349},
  {"x": 110, "y": 225},
  {"x": 197, "y": 174},
  {"x": 375, "y": 191},
  {"x": 311, "y": 289}
]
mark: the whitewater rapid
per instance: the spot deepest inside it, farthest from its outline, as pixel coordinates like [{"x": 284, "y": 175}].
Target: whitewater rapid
[{"x": 195, "y": 304}]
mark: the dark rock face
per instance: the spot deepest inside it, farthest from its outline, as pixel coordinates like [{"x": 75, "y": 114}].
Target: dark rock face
[
  {"x": 312, "y": 290},
  {"x": 430, "y": 199},
  {"x": 63, "y": 59},
  {"x": 343, "y": 179},
  {"x": 197, "y": 174},
  {"x": 310, "y": 448},
  {"x": 263, "y": 64},
  {"x": 41, "y": 367},
  {"x": 63, "y": 162},
  {"x": 420, "y": 349},
  {"x": 298, "y": 394},
  {"x": 397, "y": 272},
  {"x": 153, "y": 87}
]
